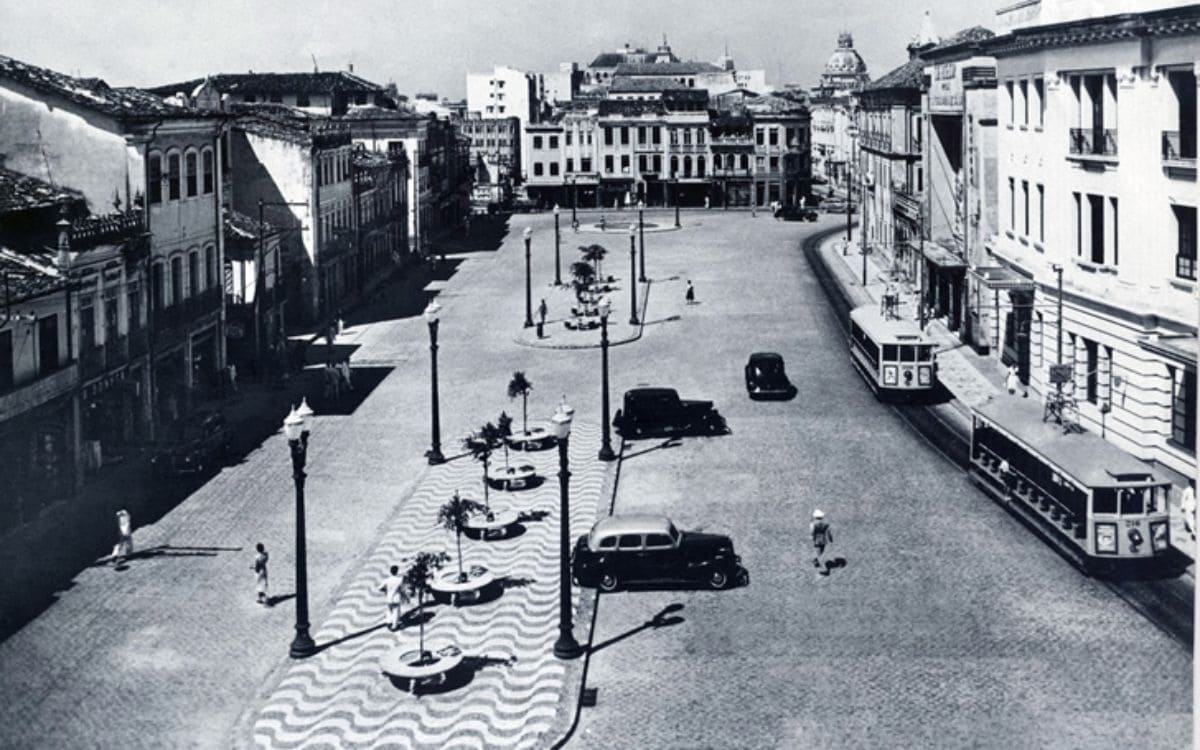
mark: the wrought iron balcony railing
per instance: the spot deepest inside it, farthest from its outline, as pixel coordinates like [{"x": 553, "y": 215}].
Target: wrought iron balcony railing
[
  {"x": 1176, "y": 147},
  {"x": 1093, "y": 142}
]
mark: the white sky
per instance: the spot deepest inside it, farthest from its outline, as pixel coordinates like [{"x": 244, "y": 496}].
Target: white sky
[{"x": 431, "y": 45}]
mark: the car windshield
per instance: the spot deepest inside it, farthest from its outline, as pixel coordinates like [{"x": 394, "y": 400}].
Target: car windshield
[
  {"x": 674, "y": 532},
  {"x": 768, "y": 365}
]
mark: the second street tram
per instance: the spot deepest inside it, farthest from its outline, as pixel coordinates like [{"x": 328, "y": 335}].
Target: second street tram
[{"x": 892, "y": 354}]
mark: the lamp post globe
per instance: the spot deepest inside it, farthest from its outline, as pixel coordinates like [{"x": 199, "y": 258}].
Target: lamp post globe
[
  {"x": 434, "y": 454},
  {"x": 528, "y": 291},
  {"x": 566, "y": 647},
  {"x": 296, "y": 429}
]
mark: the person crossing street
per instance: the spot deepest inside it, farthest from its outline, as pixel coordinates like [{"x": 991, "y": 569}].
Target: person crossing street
[{"x": 822, "y": 536}]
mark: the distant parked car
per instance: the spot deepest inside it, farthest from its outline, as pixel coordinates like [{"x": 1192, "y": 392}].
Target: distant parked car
[
  {"x": 203, "y": 440},
  {"x": 659, "y": 411},
  {"x": 796, "y": 213},
  {"x": 645, "y": 548},
  {"x": 838, "y": 206},
  {"x": 766, "y": 377},
  {"x": 523, "y": 205}
]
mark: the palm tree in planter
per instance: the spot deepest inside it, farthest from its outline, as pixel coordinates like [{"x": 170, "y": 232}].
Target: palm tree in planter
[
  {"x": 584, "y": 275},
  {"x": 520, "y": 386},
  {"x": 480, "y": 445},
  {"x": 453, "y": 517},
  {"x": 504, "y": 428},
  {"x": 594, "y": 254},
  {"x": 416, "y": 585}
]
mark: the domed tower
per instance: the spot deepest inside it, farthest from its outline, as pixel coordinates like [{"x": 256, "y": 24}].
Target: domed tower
[{"x": 845, "y": 70}]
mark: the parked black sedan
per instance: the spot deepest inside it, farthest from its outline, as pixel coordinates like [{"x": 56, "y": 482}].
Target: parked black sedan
[
  {"x": 201, "y": 441},
  {"x": 647, "y": 548},
  {"x": 796, "y": 213},
  {"x": 660, "y": 411},
  {"x": 766, "y": 377}
]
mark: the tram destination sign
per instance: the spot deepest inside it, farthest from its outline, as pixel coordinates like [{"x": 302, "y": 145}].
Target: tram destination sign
[{"x": 1060, "y": 374}]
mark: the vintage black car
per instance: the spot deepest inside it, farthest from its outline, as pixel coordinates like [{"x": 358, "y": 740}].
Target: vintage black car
[
  {"x": 646, "y": 548},
  {"x": 660, "y": 411},
  {"x": 796, "y": 213},
  {"x": 201, "y": 441},
  {"x": 766, "y": 377}
]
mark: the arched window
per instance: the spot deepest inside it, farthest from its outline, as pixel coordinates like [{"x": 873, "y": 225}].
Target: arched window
[
  {"x": 194, "y": 274},
  {"x": 674, "y": 165},
  {"x": 158, "y": 286},
  {"x": 191, "y": 178},
  {"x": 699, "y": 166},
  {"x": 744, "y": 162},
  {"x": 208, "y": 170},
  {"x": 176, "y": 278},
  {"x": 155, "y": 177},
  {"x": 173, "y": 176},
  {"x": 210, "y": 267},
  {"x": 687, "y": 166}
]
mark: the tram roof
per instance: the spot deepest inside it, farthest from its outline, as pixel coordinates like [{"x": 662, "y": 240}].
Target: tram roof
[
  {"x": 886, "y": 329},
  {"x": 1086, "y": 457}
]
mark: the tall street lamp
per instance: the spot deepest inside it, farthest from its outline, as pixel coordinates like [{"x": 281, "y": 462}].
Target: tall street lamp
[
  {"x": 557, "y": 242},
  {"x": 297, "y": 427},
  {"x": 642, "y": 241},
  {"x": 852, "y": 132},
  {"x": 574, "y": 201},
  {"x": 606, "y": 451},
  {"x": 566, "y": 647},
  {"x": 675, "y": 190},
  {"x": 1058, "y": 384},
  {"x": 435, "y": 450},
  {"x": 528, "y": 292},
  {"x": 633, "y": 318}
]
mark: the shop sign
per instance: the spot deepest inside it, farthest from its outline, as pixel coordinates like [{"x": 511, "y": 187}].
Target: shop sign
[{"x": 946, "y": 90}]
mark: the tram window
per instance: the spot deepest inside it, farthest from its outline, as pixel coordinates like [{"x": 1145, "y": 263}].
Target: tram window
[
  {"x": 924, "y": 353},
  {"x": 908, "y": 353},
  {"x": 1131, "y": 502},
  {"x": 890, "y": 353},
  {"x": 1104, "y": 501}
]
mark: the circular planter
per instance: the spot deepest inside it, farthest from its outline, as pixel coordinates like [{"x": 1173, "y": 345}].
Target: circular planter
[
  {"x": 582, "y": 325},
  {"x": 534, "y": 439},
  {"x": 446, "y": 585},
  {"x": 491, "y": 525},
  {"x": 408, "y": 665},
  {"x": 513, "y": 477}
]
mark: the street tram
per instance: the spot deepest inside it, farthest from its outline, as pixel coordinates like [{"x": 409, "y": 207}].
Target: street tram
[
  {"x": 891, "y": 354},
  {"x": 1100, "y": 505}
]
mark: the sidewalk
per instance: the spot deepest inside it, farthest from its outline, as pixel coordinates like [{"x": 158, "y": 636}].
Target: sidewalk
[{"x": 972, "y": 379}]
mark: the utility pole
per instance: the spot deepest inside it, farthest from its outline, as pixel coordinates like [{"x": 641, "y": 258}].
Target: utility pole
[{"x": 1058, "y": 269}]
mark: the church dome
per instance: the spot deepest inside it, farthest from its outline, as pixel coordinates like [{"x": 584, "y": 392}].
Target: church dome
[{"x": 845, "y": 60}]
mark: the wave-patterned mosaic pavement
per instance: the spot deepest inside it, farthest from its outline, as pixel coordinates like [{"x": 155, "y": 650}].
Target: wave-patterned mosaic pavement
[{"x": 513, "y": 683}]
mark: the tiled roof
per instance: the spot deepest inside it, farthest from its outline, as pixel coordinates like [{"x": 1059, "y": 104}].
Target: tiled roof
[
  {"x": 770, "y": 104},
  {"x": 608, "y": 60},
  {"x": 20, "y": 192},
  {"x": 93, "y": 93},
  {"x": 325, "y": 82},
  {"x": 625, "y": 84},
  {"x": 373, "y": 112},
  {"x": 631, "y": 108},
  {"x": 283, "y": 122},
  {"x": 907, "y": 76},
  {"x": 963, "y": 38},
  {"x": 28, "y": 274},
  {"x": 665, "y": 69}
]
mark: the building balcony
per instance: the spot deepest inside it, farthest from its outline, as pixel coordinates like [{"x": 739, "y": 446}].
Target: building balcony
[
  {"x": 23, "y": 396},
  {"x": 95, "y": 361},
  {"x": 1179, "y": 154},
  {"x": 906, "y": 204},
  {"x": 876, "y": 141},
  {"x": 1094, "y": 143}
]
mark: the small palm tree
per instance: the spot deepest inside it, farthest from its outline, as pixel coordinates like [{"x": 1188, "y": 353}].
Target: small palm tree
[
  {"x": 416, "y": 586},
  {"x": 453, "y": 517},
  {"x": 504, "y": 427},
  {"x": 594, "y": 254},
  {"x": 480, "y": 445},
  {"x": 584, "y": 276},
  {"x": 520, "y": 386}
]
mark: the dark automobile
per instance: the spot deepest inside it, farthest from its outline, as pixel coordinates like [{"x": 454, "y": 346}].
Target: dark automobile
[
  {"x": 659, "y": 411},
  {"x": 766, "y": 376},
  {"x": 796, "y": 213},
  {"x": 203, "y": 440},
  {"x": 644, "y": 548},
  {"x": 838, "y": 206},
  {"x": 523, "y": 205}
]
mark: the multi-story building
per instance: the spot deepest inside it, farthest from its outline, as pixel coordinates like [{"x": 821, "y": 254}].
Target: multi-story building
[
  {"x": 782, "y": 168},
  {"x": 832, "y": 108},
  {"x": 1097, "y": 180},
  {"x": 600, "y": 72},
  {"x": 151, "y": 318},
  {"x": 562, "y": 85},
  {"x": 254, "y": 302},
  {"x": 959, "y": 167},
  {"x": 495, "y": 155},
  {"x": 331, "y": 92}
]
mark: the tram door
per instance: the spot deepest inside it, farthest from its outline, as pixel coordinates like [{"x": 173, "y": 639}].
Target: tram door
[{"x": 1016, "y": 333}]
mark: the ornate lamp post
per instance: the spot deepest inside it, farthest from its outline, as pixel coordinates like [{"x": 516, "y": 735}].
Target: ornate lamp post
[
  {"x": 574, "y": 202},
  {"x": 852, "y": 132},
  {"x": 297, "y": 427},
  {"x": 642, "y": 241},
  {"x": 566, "y": 647},
  {"x": 435, "y": 450},
  {"x": 633, "y": 318},
  {"x": 606, "y": 451},
  {"x": 528, "y": 292},
  {"x": 557, "y": 242}
]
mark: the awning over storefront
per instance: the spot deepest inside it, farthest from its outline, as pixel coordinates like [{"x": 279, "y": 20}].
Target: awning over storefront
[
  {"x": 1002, "y": 278},
  {"x": 943, "y": 257},
  {"x": 1181, "y": 348}
]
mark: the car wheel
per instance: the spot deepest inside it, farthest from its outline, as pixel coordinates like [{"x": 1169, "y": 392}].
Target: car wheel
[
  {"x": 609, "y": 582},
  {"x": 718, "y": 579}
]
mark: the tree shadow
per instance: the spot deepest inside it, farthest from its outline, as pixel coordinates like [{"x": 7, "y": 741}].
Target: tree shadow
[
  {"x": 665, "y": 617},
  {"x": 537, "y": 480},
  {"x": 460, "y": 676},
  {"x": 509, "y": 582},
  {"x": 511, "y": 531}
]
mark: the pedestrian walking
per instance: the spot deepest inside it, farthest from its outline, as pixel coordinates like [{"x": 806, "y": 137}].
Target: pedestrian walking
[
  {"x": 124, "y": 546},
  {"x": 233, "y": 379},
  {"x": 392, "y": 589},
  {"x": 344, "y": 374},
  {"x": 822, "y": 536},
  {"x": 333, "y": 381},
  {"x": 706, "y": 203},
  {"x": 690, "y": 295},
  {"x": 542, "y": 310},
  {"x": 260, "y": 574}
]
